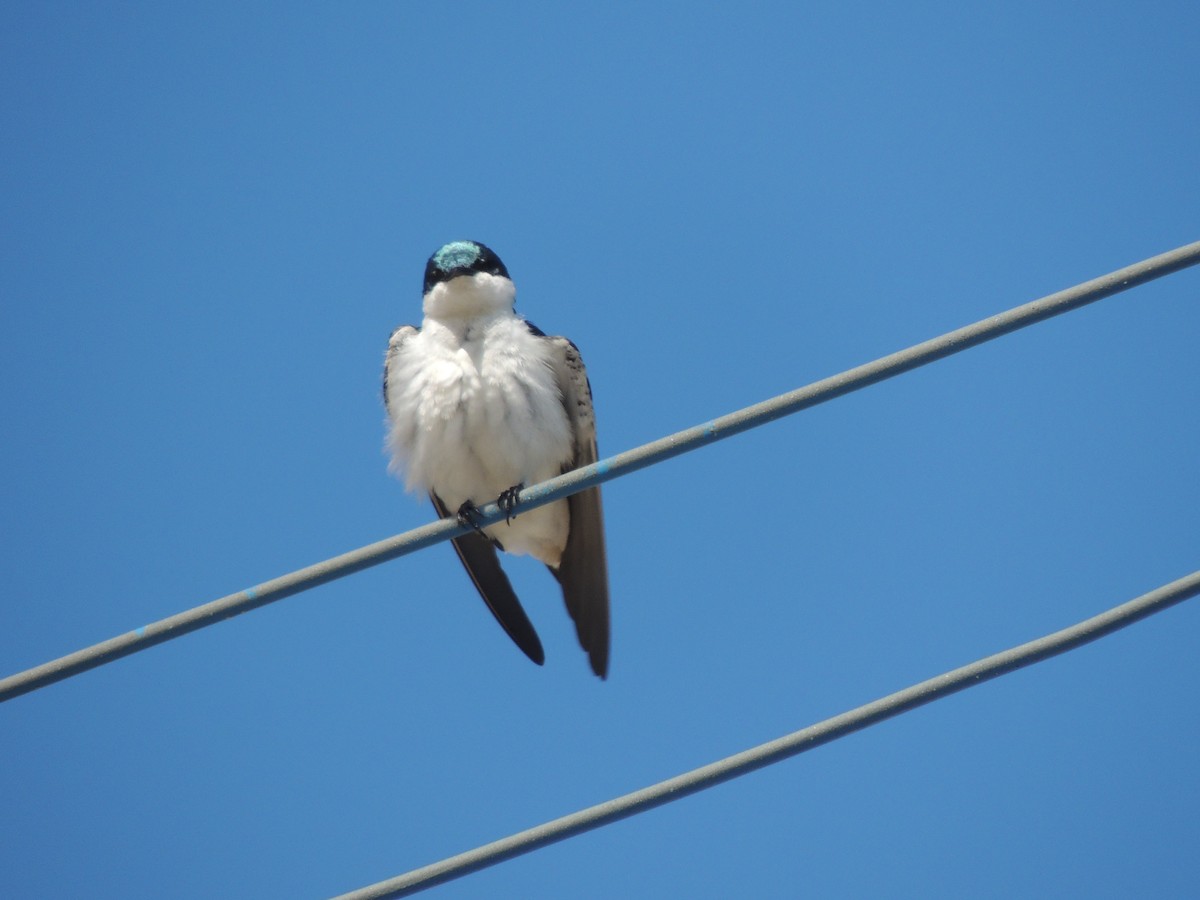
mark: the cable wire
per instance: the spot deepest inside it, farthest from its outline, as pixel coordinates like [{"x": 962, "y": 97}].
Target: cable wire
[
  {"x": 604, "y": 470},
  {"x": 785, "y": 747}
]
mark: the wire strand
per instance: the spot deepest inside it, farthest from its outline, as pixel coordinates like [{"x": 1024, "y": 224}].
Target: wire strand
[
  {"x": 604, "y": 470},
  {"x": 785, "y": 747}
]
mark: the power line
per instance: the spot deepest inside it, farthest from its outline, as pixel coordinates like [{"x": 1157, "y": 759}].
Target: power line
[
  {"x": 785, "y": 747},
  {"x": 604, "y": 470}
]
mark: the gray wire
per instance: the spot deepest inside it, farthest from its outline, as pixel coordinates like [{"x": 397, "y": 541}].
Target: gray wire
[
  {"x": 785, "y": 747},
  {"x": 604, "y": 470}
]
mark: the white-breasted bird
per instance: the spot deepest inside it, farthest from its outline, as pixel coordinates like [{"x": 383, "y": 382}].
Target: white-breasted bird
[{"x": 481, "y": 403}]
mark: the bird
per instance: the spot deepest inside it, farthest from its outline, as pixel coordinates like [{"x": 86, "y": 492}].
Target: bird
[{"x": 480, "y": 403}]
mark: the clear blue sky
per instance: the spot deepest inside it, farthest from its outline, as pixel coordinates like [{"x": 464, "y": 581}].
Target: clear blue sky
[{"x": 214, "y": 215}]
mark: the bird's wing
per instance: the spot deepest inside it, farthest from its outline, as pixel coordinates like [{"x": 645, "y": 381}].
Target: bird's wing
[
  {"x": 583, "y": 572},
  {"x": 395, "y": 342},
  {"x": 483, "y": 565}
]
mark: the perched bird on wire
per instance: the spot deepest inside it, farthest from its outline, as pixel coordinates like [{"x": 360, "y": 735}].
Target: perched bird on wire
[{"x": 481, "y": 403}]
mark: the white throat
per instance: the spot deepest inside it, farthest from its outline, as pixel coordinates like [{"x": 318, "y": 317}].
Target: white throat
[{"x": 469, "y": 297}]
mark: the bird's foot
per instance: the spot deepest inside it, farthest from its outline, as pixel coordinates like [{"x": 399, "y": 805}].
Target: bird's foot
[
  {"x": 507, "y": 501},
  {"x": 468, "y": 517}
]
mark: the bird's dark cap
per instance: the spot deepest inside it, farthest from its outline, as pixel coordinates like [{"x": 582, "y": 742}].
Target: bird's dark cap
[{"x": 461, "y": 258}]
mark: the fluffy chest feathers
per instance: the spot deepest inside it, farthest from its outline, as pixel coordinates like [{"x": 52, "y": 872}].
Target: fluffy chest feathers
[{"x": 475, "y": 408}]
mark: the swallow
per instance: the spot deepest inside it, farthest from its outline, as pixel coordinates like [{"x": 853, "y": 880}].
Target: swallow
[{"x": 480, "y": 403}]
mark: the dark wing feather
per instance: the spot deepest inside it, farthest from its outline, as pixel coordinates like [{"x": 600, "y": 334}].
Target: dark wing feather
[
  {"x": 583, "y": 572},
  {"x": 483, "y": 565}
]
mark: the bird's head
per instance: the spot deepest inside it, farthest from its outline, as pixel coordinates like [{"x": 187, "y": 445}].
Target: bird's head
[{"x": 465, "y": 279}]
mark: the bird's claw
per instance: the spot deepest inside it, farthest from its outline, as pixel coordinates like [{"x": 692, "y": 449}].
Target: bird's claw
[
  {"x": 507, "y": 501},
  {"x": 468, "y": 517}
]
